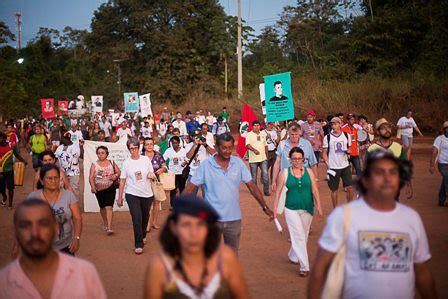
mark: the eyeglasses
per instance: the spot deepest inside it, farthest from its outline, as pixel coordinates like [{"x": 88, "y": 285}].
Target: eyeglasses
[
  {"x": 296, "y": 159},
  {"x": 133, "y": 148}
]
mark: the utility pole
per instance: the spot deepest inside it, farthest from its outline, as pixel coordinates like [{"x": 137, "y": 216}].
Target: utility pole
[
  {"x": 240, "y": 55},
  {"x": 19, "y": 30},
  {"x": 117, "y": 61}
]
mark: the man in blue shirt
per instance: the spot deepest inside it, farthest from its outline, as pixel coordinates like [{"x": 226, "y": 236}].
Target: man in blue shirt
[
  {"x": 294, "y": 140},
  {"x": 220, "y": 177}
]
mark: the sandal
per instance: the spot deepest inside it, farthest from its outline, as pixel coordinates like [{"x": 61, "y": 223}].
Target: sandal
[
  {"x": 304, "y": 273},
  {"x": 138, "y": 250},
  {"x": 109, "y": 232},
  {"x": 155, "y": 226}
]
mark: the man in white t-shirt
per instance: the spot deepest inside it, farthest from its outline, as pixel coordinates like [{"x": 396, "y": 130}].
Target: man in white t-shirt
[
  {"x": 75, "y": 134},
  {"x": 124, "y": 130},
  {"x": 386, "y": 248},
  {"x": 180, "y": 124},
  {"x": 440, "y": 155},
  {"x": 336, "y": 156},
  {"x": 407, "y": 125},
  {"x": 272, "y": 140},
  {"x": 146, "y": 130},
  {"x": 106, "y": 126}
]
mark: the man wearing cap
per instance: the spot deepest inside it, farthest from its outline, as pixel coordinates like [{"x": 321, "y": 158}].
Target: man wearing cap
[
  {"x": 220, "y": 177},
  {"x": 312, "y": 131},
  {"x": 407, "y": 125},
  {"x": 386, "y": 248},
  {"x": 220, "y": 127},
  {"x": 257, "y": 147},
  {"x": 293, "y": 140},
  {"x": 384, "y": 130},
  {"x": 352, "y": 129},
  {"x": 440, "y": 155},
  {"x": 336, "y": 155}
]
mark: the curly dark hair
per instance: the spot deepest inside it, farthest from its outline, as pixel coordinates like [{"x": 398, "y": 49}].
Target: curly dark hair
[{"x": 171, "y": 245}]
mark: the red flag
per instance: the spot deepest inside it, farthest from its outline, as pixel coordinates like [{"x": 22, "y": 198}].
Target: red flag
[
  {"x": 247, "y": 117},
  {"x": 47, "y": 108}
]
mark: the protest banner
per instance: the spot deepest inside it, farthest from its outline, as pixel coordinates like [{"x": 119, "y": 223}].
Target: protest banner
[
  {"x": 118, "y": 152},
  {"x": 62, "y": 107},
  {"x": 47, "y": 106},
  {"x": 114, "y": 119},
  {"x": 145, "y": 104},
  {"x": 262, "y": 98},
  {"x": 278, "y": 94},
  {"x": 97, "y": 104},
  {"x": 131, "y": 102}
]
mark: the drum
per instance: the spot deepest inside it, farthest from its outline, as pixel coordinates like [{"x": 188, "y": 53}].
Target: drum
[
  {"x": 19, "y": 173},
  {"x": 362, "y": 136}
]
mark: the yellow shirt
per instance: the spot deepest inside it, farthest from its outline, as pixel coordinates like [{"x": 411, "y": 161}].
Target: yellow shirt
[{"x": 258, "y": 142}]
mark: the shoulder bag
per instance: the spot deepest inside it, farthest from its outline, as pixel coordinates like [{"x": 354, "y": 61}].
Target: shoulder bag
[{"x": 335, "y": 276}]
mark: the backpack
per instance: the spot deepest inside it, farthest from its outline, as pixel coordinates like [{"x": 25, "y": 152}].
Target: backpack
[{"x": 328, "y": 142}]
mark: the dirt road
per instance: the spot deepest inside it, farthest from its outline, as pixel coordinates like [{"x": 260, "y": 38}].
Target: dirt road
[{"x": 263, "y": 252}]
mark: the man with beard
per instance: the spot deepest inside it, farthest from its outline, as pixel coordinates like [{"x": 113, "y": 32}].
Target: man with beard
[
  {"x": 385, "y": 141},
  {"x": 41, "y": 272},
  {"x": 384, "y": 130}
]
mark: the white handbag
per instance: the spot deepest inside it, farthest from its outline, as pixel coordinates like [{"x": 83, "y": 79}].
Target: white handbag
[
  {"x": 335, "y": 276},
  {"x": 282, "y": 199}
]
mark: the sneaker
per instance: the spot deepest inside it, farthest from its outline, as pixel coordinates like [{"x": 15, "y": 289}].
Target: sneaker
[
  {"x": 138, "y": 250},
  {"x": 4, "y": 202},
  {"x": 109, "y": 232}
]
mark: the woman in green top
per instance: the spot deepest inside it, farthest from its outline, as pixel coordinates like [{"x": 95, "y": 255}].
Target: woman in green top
[{"x": 299, "y": 206}]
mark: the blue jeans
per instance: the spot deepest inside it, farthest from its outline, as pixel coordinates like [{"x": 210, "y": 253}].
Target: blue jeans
[
  {"x": 443, "y": 168},
  {"x": 264, "y": 174},
  {"x": 356, "y": 164}
]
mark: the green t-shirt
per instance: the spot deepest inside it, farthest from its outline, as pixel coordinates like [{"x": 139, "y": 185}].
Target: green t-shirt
[
  {"x": 225, "y": 115},
  {"x": 38, "y": 143},
  {"x": 299, "y": 195}
]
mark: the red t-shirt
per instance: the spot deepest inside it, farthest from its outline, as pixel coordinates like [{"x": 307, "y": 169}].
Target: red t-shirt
[{"x": 353, "y": 132}]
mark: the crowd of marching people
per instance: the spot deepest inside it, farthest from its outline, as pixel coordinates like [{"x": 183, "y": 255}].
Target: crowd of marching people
[{"x": 194, "y": 153}]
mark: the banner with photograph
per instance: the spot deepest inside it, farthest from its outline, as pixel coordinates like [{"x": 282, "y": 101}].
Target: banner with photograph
[
  {"x": 145, "y": 104},
  {"x": 262, "y": 98},
  {"x": 63, "y": 107},
  {"x": 97, "y": 104},
  {"x": 118, "y": 152},
  {"x": 47, "y": 106},
  {"x": 278, "y": 93},
  {"x": 131, "y": 102},
  {"x": 114, "y": 119}
]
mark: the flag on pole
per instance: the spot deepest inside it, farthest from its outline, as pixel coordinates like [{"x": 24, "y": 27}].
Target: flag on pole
[{"x": 247, "y": 117}]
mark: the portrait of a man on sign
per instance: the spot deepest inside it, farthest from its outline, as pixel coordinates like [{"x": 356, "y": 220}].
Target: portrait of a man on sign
[
  {"x": 278, "y": 89},
  {"x": 48, "y": 106}
]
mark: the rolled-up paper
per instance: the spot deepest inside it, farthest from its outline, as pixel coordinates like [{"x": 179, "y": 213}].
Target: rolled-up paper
[{"x": 278, "y": 226}]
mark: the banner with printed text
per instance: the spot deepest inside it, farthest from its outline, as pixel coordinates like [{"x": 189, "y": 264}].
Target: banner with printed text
[
  {"x": 118, "y": 152},
  {"x": 47, "y": 106},
  {"x": 131, "y": 102},
  {"x": 278, "y": 93},
  {"x": 145, "y": 104}
]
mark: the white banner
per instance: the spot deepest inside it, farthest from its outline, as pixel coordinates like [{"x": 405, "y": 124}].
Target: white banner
[
  {"x": 145, "y": 104},
  {"x": 97, "y": 104},
  {"x": 262, "y": 98},
  {"x": 118, "y": 152}
]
